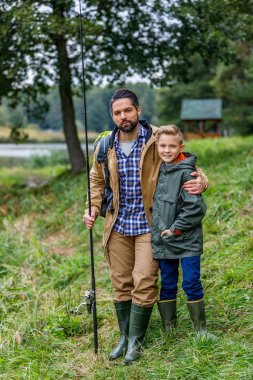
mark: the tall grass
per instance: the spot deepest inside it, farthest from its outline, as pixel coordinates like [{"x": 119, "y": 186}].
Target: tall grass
[{"x": 45, "y": 268}]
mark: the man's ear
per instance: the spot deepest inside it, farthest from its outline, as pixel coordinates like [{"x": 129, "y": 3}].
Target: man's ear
[{"x": 138, "y": 110}]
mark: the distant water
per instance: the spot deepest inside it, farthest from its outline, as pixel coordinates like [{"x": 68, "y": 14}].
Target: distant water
[
  {"x": 28, "y": 150},
  {"x": 12, "y": 153}
]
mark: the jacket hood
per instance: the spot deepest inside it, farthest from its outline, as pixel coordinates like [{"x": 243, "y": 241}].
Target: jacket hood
[{"x": 188, "y": 163}]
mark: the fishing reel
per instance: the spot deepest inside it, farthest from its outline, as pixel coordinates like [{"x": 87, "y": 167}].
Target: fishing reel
[{"x": 89, "y": 303}]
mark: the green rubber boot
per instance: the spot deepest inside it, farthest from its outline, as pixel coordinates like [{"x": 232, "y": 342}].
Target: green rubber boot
[
  {"x": 123, "y": 310},
  {"x": 168, "y": 313},
  {"x": 139, "y": 320},
  {"x": 197, "y": 314}
]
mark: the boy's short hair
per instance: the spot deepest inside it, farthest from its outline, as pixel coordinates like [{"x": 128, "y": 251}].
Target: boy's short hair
[
  {"x": 170, "y": 130},
  {"x": 123, "y": 93}
]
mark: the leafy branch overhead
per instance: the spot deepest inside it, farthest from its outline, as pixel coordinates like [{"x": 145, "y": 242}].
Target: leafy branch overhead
[
  {"x": 40, "y": 46},
  {"x": 152, "y": 38}
]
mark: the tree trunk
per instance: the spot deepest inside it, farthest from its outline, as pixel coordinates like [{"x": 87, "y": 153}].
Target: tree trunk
[{"x": 76, "y": 155}]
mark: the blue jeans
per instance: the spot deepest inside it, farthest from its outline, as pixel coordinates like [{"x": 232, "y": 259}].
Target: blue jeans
[{"x": 191, "y": 278}]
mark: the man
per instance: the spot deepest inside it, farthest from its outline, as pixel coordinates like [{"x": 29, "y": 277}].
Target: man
[{"x": 133, "y": 164}]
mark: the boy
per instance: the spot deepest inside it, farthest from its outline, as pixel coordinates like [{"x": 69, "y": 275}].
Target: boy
[{"x": 176, "y": 230}]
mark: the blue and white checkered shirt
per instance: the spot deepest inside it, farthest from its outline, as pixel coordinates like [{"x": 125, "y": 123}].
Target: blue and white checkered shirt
[{"x": 131, "y": 219}]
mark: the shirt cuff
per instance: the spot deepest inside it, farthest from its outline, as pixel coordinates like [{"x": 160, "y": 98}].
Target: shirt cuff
[{"x": 175, "y": 230}]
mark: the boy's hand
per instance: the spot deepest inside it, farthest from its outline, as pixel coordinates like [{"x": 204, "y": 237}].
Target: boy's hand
[
  {"x": 89, "y": 220},
  {"x": 166, "y": 232},
  {"x": 194, "y": 186}
]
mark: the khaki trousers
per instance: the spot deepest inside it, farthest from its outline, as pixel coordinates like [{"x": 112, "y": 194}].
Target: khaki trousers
[{"x": 133, "y": 270}]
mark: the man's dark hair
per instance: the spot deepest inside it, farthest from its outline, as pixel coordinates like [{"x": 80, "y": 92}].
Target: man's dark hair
[{"x": 123, "y": 93}]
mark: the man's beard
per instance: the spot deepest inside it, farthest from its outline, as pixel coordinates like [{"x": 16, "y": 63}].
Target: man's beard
[{"x": 128, "y": 126}]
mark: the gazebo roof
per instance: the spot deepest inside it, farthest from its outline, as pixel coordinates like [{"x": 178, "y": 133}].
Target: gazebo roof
[{"x": 201, "y": 109}]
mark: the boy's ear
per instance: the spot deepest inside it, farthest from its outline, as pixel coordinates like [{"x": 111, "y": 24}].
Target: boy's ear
[{"x": 182, "y": 148}]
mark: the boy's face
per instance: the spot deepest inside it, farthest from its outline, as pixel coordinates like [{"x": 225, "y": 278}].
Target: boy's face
[{"x": 169, "y": 148}]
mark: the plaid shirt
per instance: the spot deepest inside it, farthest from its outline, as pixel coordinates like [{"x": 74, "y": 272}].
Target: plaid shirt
[{"x": 131, "y": 219}]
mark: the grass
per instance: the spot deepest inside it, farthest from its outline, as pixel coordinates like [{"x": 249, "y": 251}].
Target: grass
[{"x": 45, "y": 268}]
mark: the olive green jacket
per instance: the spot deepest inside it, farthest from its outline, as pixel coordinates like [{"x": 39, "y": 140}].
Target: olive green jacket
[{"x": 174, "y": 208}]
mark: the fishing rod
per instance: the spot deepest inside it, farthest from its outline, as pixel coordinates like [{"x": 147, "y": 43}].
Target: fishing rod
[{"x": 90, "y": 295}]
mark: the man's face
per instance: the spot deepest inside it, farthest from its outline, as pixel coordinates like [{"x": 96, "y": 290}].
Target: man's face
[
  {"x": 125, "y": 115},
  {"x": 169, "y": 148}
]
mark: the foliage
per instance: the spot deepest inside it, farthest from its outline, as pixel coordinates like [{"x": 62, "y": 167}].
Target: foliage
[
  {"x": 59, "y": 158},
  {"x": 234, "y": 84},
  {"x": 18, "y": 136},
  {"x": 10, "y": 70},
  {"x": 45, "y": 267},
  {"x": 98, "y": 114},
  {"x": 159, "y": 106},
  {"x": 154, "y": 39},
  {"x": 168, "y": 101}
]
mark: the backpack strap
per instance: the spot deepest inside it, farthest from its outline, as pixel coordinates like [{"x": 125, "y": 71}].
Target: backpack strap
[
  {"x": 104, "y": 144},
  {"x": 103, "y": 148},
  {"x": 102, "y": 157}
]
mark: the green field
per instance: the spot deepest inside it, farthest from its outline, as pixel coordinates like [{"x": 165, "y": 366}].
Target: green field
[{"x": 45, "y": 268}]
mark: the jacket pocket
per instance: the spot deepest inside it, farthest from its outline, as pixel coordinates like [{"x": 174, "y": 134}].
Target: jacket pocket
[
  {"x": 171, "y": 239},
  {"x": 168, "y": 210},
  {"x": 184, "y": 236},
  {"x": 175, "y": 243},
  {"x": 189, "y": 241}
]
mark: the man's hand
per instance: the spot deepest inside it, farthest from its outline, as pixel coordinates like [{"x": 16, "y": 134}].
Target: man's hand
[
  {"x": 194, "y": 186},
  {"x": 89, "y": 220},
  {"x": 167, "y": 232}
]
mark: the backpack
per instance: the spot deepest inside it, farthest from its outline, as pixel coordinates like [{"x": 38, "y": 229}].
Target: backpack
[{"x": 103, "y": 140}]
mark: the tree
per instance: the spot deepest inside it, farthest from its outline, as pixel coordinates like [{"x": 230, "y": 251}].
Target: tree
[
  {"x": 169, "y": 99},
  {"x": 9, "y": 67},
  {"x": 46, "y": 35},
  {"x": 155, "y": 39},
  {"x": 39, "y": 34},
  {"x": 235, "y": 85},
  {"x": 99, "y": 118}
]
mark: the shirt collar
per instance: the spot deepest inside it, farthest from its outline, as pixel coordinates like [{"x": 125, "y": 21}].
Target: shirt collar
[{"x": 142, "y": 131}]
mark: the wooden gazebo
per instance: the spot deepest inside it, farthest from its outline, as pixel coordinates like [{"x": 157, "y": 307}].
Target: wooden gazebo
[{"x": 201, "y": 117}]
